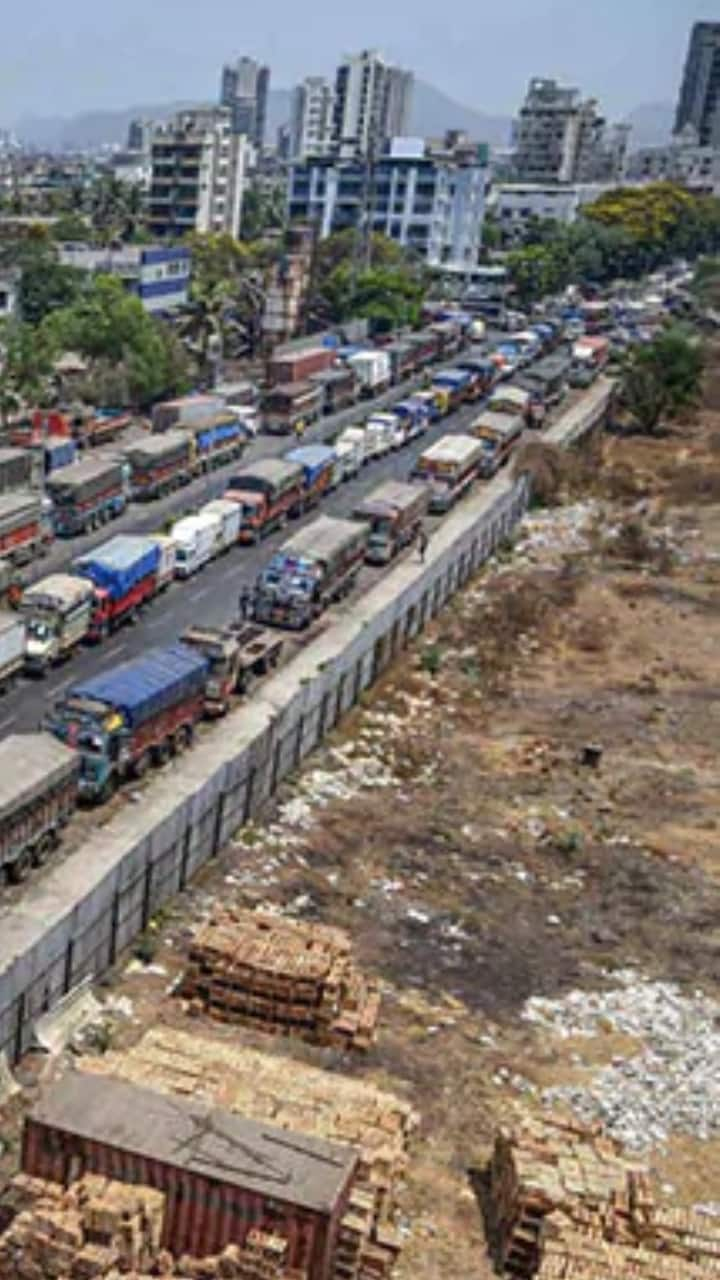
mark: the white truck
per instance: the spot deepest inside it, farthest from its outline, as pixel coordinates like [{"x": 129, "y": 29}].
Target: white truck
[
  {"x": 350, "y": 449},
  {"x": 57, "y": 612},
  {"x": 382, "y": 433},
  {"x": 228, "y": 514},
  {"x": 372, "y": 370},
  {"x": 12, "y": 648},
  {"x": 168, "y": 557},
  {"x": 195, "y": 538}
]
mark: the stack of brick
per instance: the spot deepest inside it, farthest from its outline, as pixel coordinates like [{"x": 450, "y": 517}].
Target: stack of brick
[
  {"x": 299, "y": 1098},
  {"x": 570, "y": 1255},
  {"x": 281, "y": 976},
  {"x": 81, "y": 1233}
]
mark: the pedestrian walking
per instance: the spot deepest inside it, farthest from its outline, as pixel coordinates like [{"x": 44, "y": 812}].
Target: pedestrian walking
[
  {"x": 245, "y": 603},
  {"x": 422, "y": 543},
  {"x": 300, "y": 428}
]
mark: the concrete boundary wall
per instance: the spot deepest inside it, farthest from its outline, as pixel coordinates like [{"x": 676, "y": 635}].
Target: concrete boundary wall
[{"x": 74, "y": 922}]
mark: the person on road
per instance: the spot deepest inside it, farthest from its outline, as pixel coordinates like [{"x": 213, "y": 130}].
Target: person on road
[
  {"x": 245, "y": 603},
  {"x": 422, "y": 543},
  {"x": 300, "y": 428}
]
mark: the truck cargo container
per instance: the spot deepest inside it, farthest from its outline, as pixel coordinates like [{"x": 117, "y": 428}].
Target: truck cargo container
[
  {"x": 500, "y": 433},
  {"x": 414, "y": 415},
  {"x": 449, "y": 467},
  {"x": 235, "y": 654},
  {"x": 25, "y": 531},
  {"x": 189, "y": 409},
  {"x": 403, "y": 360},
  {"x": 512, "y": 399},
  {"x": 381, "y": 434},
  {"x": 217, "y": 438},
  {"x": 101, "y": 427},
  {"x": 425, "y": 345},
  {"x": 449, "y": 335},
  {"x": 38, "y": 791},
  {"x": 372, "y": 370},
  {"x": 86, "y": 495},
  {"x": 161, "y": 464},
  {"x": 319, "y": 464},
  {"x": 314, "y": 568},
  {"x": 57, "y": 612},
  {"x": 228, "y": 517},
  {"x": 298, "y": 365},
  {"x": 16, "y": 469},
  {"x": 130, "y": 716},
  {"x": 124, "y": 574},
  {"x": 12, "y": 648},
  {"x": 339, "y": 388},
  {"x": 350, "y": 451},
  {"x": 394, "y": 513},
  {"x": 166, "y": 564},
  {"x": 195, "y": 539},
  {"x": 58, "y": 453},
  {"x": 289, "y": 404},
  {"x": 457, "y": 383},
  {"x": 268, "y": 494},
  {"x": 429, "y": 399}
]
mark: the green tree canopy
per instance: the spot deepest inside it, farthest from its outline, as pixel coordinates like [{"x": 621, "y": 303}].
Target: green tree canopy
[{"x": 662, "y": 378}]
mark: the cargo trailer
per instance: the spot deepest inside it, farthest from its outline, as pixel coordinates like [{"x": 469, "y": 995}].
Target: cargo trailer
[
  {"x": 38, "y": 792},
  {"x": 394, "y": 513},
  {"x": 86, "y": 495},
  {"x": 24, "y": 529},
  {"x": 124, "y": 573},
  {"x": 316, "y": 567},
  {"x": 268, "y": 494},
  {"x": 161, "y": 464},
  {"x": 58, "y": 613}
]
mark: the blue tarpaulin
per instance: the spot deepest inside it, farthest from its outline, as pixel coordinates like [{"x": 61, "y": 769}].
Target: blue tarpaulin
[{"x": 144, "y": 687}]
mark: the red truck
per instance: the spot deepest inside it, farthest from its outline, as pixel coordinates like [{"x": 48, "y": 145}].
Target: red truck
[
  {"x": 160, "y": 464},
  {"x": 269, "y": 493},
  {"x": 124, "y": 572},
  {"x": 296, "y": 366},
  {"x": 24, "y": 529}
]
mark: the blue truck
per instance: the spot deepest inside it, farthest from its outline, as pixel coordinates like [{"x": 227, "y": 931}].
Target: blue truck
[
  {"x": 86, "y": 495},
  {"x": 456, "y": 383},
  {"x": 414, "y": 416},
  {"x": 219, "y": 438},
  {"x": 124, "y": 572},
  {"x": 311, "y": 570},
  {"x": 131, "y": 716},
  {"x": 321, "y": 470},
  {"x": 58, "y": 453}
]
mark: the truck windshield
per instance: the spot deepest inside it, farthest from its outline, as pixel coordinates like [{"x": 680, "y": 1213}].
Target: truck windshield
[{"x": 38, "y": 630}]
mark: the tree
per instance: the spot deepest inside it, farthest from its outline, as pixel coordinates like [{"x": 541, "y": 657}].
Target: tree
[
  {"x": 228, "y": 288},
  {"x": 46, "y": 284},
  {"x": 263, "y": 211},
  {"x": 661, "y": 379},
  {"x": 70, "y": 226},
  {"x": 25, "y": 365},
  {"x": 388, "y": 290}
]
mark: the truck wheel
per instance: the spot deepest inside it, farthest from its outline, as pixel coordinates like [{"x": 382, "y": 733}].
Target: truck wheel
[
  {"x": 141, "y": 765},
  {"x": 42, "y": 850},
  {"x": 161, "y": 753},
  {"x": 17, "y": 870}
]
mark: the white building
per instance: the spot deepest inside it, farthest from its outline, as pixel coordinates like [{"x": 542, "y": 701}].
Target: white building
[
  {"x": 427, "y": 203},
  {"x": 372, "y": 103},
  {"x": 311, "y": 128},
  {"x": 158, "y": 275},
  {"x": 559, "y": 137},
  {"x": 199, "y": 174},
  {"x": 517, "y": 204},
  {"x": 683, "y": 160}
]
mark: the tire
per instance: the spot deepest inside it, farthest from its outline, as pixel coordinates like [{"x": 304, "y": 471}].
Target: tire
[{"x": 141, "y": 765}]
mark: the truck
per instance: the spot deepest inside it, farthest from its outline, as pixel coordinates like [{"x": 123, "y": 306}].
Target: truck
[
  {"x": 350, "y": 451},
  {"x": 414, "y": 414},
  {"x": 234, "y": 654},
  {"x": 547, "y": 382},
  {"x": 161, "y": 464},
  {"x": 165, "y": 571},
  {"x": 449, "y": 467},
  {"x": 86, "y": 495},
  {"x": 228, "y": 517},
  {"x": 479, "y": 363},
  {"x": 217, "y": 437},
  {"x": 297, "y": 365},
  {"x": 124, "y": 573},
  {"x": 16, "y": 469},
  {"x": 320, "y": 470},
  {"x": 394, "y": 512},
  {"x": 12, "y": 648},
  {"x": 25, "y": 531},
  {"x": 189, "y": 409},
  {"x": 339, "y": 387},
  {"x": 403, "y": 360},
  {"x": 457, "y": 383},
  {"x": 289, "y": 404},
  {"x": 513, "y": 399},
  {"x": 499, "y": 433},
  {"x": 372, "y": 370},
  {"x": 131, "y": 716},
  {"x": 425, "y": 346},
  {"x": 589, "y": 357},
  {"x": 102, "y": 426},
  {"x": 57, "y": 612},
  {"x": 195, "y": 539},
  {"x": 314, "y": 568},
  {"x": 58, "y": 453},
  {"x": 382, "y": 434},
  {"x": 268, "y": 494},
  {"x": 38, "y": 795}
]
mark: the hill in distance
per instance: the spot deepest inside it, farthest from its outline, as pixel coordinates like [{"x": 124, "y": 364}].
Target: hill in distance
[{"x": 433, "y": 112}]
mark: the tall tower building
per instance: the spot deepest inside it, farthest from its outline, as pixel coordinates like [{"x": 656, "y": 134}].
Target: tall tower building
[
  {"x": 244, "y": 90},
  {"x": 699, "y": 101},
  {"x": 558, "y": 136},
  {"x": 312, "y": 118},
  {"x": 372, "y": 103}
]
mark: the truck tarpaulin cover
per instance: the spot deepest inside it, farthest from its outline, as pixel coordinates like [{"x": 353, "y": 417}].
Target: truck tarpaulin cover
[
  {"x": 119, "y": 564},
  {"x": 147, "y": 686},
  {"x": 313, "y": 458}
]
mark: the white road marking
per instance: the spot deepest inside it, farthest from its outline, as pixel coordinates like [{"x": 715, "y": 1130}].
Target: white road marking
[
  {"x": 57, "y": 688},
  {"x": 118, "y": 648},
  {"x": 204, "y": 591},
  {"x": 5, "y": 724}
]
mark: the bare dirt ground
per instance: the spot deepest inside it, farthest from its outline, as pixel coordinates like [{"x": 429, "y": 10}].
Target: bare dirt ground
[{"x": 453, "y": 828}]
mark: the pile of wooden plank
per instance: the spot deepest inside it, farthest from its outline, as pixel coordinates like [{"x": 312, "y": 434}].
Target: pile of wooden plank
[
  {"x": 283, "y": 976},
  {"x": 299, "y": 1098},
  {"x": 570, "y": 1255},
  {"x": 84, "y": 1233}
]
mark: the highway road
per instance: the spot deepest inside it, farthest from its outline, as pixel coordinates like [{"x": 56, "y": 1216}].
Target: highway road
[{"x": 211, "y": 597}]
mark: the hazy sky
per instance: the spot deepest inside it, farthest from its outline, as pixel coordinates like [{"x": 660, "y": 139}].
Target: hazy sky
[{"x": 57, "y": 59}]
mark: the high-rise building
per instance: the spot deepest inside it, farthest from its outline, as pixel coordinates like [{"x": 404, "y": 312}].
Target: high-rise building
[
  {"x": 312, "y": 118},
  {"x": 699, "y": 101},
  {"x": 372, "y": 103},
  {"x": 244, "y": 88},
  {"x": 559, "y": 137},
  {"x": 199, "y": 174}
]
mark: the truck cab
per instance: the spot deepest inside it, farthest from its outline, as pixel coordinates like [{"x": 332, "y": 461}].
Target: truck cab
[
  {"x": 222, "y": 650},
  {"x": 100, "y": 738}
]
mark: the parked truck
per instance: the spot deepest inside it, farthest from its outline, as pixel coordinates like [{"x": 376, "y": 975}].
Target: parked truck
[
  {"x": 195, "y": 539},
  {"x": 124, "y": 573},
  {"x": 168, "y": 557},
  {"x": 12, "y": 648},
  {"x": 25, "y": 531},
  {"x": 457, "y": 383},
  {"x": 268, "y": 494},
  {"x": 101, "y": 427},
  {"x": 289, "y": 404},
  {"x": 449, "y": 467},
  {"x": 234, "y": 654},
  {"x": 297, "y": 365},
  {"x": 319, "y": 464},
  {"x": 339, "y": 388},
  {"x": 188, "y": 409},
  {"x": 414, "y": 415},
  {"x": 499, "y": 433},
  {"x": 394, "y": 513},
  {"x": 58, "y": 453},
  {"x": 372, "y": 370},
  {"x": 38, "y": 792},
  {"x": 86, "y": 495},
  {"x": 57, "y": 612},
  {"x": 218, "y": 439},
  {"x": 314, "y": 568},
  {"x": 131, "y": 716},
  {"x": 350, "y": 451},
  {"x": 16, "y": 469},
  {"x": 161, "y": 464},
  {"x": 227, "y": 515}
]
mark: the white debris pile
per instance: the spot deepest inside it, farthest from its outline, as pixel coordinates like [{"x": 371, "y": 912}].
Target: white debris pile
[
  {"x": 559, "y": 531},
  {"x": 319, "y": 788},
  {"x": 671, "y": 1086}
]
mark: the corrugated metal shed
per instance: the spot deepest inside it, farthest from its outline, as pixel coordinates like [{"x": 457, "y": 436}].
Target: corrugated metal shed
[
  {"x": 30, "y": 762},
  {"x": 145, "y": 686}
]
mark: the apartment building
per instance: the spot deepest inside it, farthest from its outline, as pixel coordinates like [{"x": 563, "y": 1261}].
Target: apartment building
[
  {"x": 561, "y": 137},
  {"x": 433, "y": 204},
  {"x": 519, "y": 204},
  {"x": 371, "y": 104},
  {"x": 699, "y": 100},
  {"x": 311, "y": 129},
  {"x": 159, "y": 275},
  {"x": 684, "y": 160},
  {"x": 199, "y": 168},
  {"x": 244, "y": 88}
]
